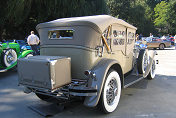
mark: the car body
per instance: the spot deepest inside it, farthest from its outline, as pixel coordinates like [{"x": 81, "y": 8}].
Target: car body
[
  {"x": 155, "y": 42},
  {"x": 9, "y": 53},
  {"x": 171, "y": 39},
  {"x": 22, "y": 43},
  {"x": 94, "y": 53}
]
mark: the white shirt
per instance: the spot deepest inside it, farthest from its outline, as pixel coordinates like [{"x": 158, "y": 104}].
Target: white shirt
[
  {"x": 33, "y": 40},
  {"x": 174, "y": 39}
]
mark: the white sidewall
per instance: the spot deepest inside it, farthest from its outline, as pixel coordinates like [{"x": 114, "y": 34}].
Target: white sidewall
[
  {"x": 14, "y": 56},
  {"x": 111, "y": 108},
  {"x": 29, "y": 55},
  {"x": 152, "y": 74}
]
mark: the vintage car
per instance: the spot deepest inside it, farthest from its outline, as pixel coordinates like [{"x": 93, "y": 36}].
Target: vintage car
[
  {"x": 9, "y": 53},
  {"x": 91, "y": 57},
  {"x": 155, "y": 42}
]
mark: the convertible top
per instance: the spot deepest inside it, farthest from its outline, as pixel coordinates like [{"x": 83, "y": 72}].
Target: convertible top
[{"x": 97, "y": 22}]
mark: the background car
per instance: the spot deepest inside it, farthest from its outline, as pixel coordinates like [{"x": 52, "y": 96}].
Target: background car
[
  {"x": 171, "y": 39},
  {"x": 9, "y": 53},
  {"x": 155, "y": 42},
  {"x": 22, "y": 43}
]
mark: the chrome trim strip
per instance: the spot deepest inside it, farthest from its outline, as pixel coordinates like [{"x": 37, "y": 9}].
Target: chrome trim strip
[
  {"x": 67, "y": 46},
  {"x": 127, "y": 85}
]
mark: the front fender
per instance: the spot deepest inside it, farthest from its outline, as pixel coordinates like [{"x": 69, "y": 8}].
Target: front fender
[
  {"x": 10, "y": 67},
  {"x": 100, "y": 70},
  {"x": 24, "y": 53}
]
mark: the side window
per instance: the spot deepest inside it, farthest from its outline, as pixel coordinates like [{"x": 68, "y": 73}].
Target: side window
[
  {"x": 118, "y": 38},
  {"x": 60, "y": 34},
  {"x": 131, "y": 37},
  {"x": 130, "y": 41}
]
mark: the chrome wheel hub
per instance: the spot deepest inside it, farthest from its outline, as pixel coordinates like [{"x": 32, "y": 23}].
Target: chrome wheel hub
[
  {"x": 10, "y": 58},
  {"x": 111, "y": 91}
]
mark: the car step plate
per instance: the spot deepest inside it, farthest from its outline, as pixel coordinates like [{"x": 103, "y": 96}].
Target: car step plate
[{"x": 131, "y": 79}]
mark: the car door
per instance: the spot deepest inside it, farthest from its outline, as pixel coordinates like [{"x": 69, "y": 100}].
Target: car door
[
  {"x": 118, "y": 44},
  {"x": 130, "y": 40}
]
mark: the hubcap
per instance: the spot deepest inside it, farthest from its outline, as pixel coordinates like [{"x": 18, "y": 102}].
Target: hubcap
[
  {"x": 111, "y": 91},
  {"x": 10, "y": 58},
  {"x": 161, "y": 46}
]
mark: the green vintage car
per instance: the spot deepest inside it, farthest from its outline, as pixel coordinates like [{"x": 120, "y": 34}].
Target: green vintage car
[{"x": 9, "y": 53}]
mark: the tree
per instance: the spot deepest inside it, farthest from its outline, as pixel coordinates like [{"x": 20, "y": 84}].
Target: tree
[
  {"x": 21, "y": 16},
  {"x": 171, "y": 17},
  {"x": 136, "y": 12},
  {"x": 161, "y": 16},
  {"x": 119, "y": 8}
]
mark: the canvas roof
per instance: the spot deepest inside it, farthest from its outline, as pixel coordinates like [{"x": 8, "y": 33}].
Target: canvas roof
[{"x": 97, "y": 22}]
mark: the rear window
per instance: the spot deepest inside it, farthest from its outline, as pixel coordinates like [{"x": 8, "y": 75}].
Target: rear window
[{"x": 60, "y": 34}]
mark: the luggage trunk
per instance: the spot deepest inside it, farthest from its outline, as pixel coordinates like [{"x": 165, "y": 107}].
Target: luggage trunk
[{"x": 48, "y": 72}]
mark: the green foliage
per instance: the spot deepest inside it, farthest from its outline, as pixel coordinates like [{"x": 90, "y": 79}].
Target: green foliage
[
  {"x": 18, "y": 17},
  {"x": 161, "y": 14},
  {"x": 171, "y": 17},
  {"x": 137, "y": 12},
  {"x": 21, "y": 16},
  {"x": 119, "y": 8}
]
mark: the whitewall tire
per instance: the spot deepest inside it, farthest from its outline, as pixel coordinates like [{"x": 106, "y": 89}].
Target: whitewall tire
[
  {"x": 28, "y": 55},
  {"x": 152, "y": 73},
  {"x": 143, "y": 61},
  {"x": 111, "y": 92},
  {"x": 10, "y": 57}
]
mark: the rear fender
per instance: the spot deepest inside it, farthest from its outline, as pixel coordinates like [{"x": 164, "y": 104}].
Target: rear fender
[{"x": 100, "y": 70}]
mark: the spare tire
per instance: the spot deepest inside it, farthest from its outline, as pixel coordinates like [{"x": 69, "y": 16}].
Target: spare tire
[
  {"x": 142, "y": 62},
  {"x": 9, "y": 57}
]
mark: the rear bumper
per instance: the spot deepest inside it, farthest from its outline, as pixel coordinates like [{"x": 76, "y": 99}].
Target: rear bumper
[{"x": 76, "y": 88}]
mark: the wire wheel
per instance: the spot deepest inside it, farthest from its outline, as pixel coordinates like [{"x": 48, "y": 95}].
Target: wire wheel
[
  {"x": 111, "y": 92},
  {"x": 9, "y": 57},
  {"x": 161, "y": 46},
  {"x": 143, "y": 61}
]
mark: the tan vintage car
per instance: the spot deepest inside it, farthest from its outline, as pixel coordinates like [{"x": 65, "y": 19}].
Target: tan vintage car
[
  {"x": 155, "y": 42},
  {"x": 91, "y": 57}
]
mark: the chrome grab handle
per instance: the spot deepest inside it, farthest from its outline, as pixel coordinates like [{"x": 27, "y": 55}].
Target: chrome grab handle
[{"x": 99, "y": 51}]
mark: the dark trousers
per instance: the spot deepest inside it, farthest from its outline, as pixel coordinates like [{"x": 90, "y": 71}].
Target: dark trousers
[{"x": 34, "y": 48}]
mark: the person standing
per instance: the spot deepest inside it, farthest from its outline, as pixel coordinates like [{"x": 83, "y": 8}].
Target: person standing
[
  {"x": 175, "y": 40},
  {"x": 151, "y": 35},
  {"x": 137, "y": 37},
  {"x": 33, "y": 41}
]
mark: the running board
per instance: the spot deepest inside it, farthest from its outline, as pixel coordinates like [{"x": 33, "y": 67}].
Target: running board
[{"x": 131, "y": 79}]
